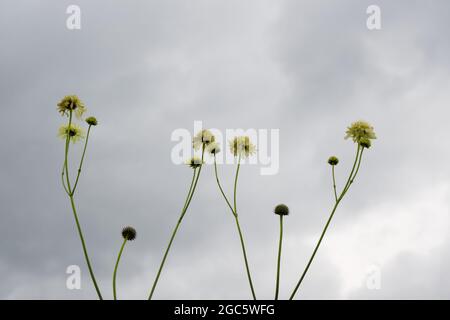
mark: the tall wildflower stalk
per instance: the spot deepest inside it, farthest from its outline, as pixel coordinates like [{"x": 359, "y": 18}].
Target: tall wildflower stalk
[
  {"x": 128, "y": 234},
  {"x": 70, "y": 106},
  {"x": 200, "y": 141},
  {"x": 361, "y": 133},
  {"x": 280, "y": 210},
  {"x": 240, "y": 147}
]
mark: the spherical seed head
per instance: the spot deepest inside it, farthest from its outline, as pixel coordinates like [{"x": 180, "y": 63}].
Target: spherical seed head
[
  {"x": 333, "y": 160},
  {"x": 92, "y": 121},
  {"x": 213, "y": 148},
  {"x": 129, "y": 233},
  {"x": 194, "y": 162},
  {"x": 281, "y": 210},
  {"x": 360, "y": 131},
  {"x": 71, "y": 103}
]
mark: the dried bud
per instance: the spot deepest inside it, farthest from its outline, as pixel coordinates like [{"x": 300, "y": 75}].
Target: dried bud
[
  {"x": 129, "y": 233},
  {"x": 281, "y": 210},
  {"x": 333, "y": 160}
]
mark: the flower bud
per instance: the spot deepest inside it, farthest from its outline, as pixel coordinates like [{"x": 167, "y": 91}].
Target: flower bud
[
  {"x": 333, "y": 160},
  {"x": 129, "y": 233},
  {"x": 281, "y": 210},
  {"x": 92, "y": 121}
]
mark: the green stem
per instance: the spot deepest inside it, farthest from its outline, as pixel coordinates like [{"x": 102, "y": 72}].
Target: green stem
[
  {"x": 356, "y": 172},
  {"x": 279, "y": 258},
  {"x": 183, "y": 212},
  {"x": 220, "y": 187},
  {"x": 62, "y": 180},
  {"x": 347, "y": 186},
  {"x": 81, "y": 161},
  {"x": 240, "y": 232},
  {"x": 334, "y": 183},
  {"x": 245, "y": 258},
  {"x": 115, "y": 268},
  {"x": 351, "y": 172},
  {"x": 66, "y": 154},
  {"x": 235, "y": 183},
  {"x": 80, "y": 233},
  {"x": 86, "y": 256},
  {"x": 190, "y": 190}
]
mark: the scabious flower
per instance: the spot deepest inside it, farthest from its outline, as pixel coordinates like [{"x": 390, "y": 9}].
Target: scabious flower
[
  {"x": 242, "y": 146},
  {"x": 360, "y": 132},
  {"x": 213, "y": 148},
  {"x": 129, "y": 233},
  {"x": 92, "y": 121},
  {"x": 333, "y": 160},
  {"x": 74, "y": 132},
  {"x": 71, "y": 103},
  {"x": 281, "y": 210},
  {"x": 203, "y": 138},
  {"x": 194, "y": 162}
]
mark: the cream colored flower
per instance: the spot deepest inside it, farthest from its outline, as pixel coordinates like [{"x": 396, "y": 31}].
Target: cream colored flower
[
  {"x": 360, "y": 131},
  {"x": 194, "y": 162},
  {"x": 71, "y": 103},
  {"x": 213, "y": 148},
  {"x": 74, "y": 132},
  {"x": 242, "y": 146},
  {"x": 203, "y": 138}
]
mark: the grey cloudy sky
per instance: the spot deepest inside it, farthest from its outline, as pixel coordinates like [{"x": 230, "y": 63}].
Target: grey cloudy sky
[{"x": 146, "y": 68}]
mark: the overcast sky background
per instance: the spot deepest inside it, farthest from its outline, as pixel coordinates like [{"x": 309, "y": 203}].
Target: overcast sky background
[{"x": 146, "y": 68}]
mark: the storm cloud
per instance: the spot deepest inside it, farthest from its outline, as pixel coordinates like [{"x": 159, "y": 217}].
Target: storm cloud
[{"x": 147, "y": 68}]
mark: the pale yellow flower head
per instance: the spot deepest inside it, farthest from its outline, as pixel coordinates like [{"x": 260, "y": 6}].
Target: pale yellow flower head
[
  {"x": 71, "y": 103},
  {"x": 213, "y": 148},
  {"x": 203, "y": 138},
  {"x": 242, "y": 146},
  {"x": 74, "y": 132},
  {"x": 361, "y": 132},
  {"x": 194, "y": 162}
]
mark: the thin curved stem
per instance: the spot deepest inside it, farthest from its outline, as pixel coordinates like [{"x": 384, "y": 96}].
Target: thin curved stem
[
  {"x": 245, "y": 258},
  {"x": 66, "y": 155},
  {"x": 344, "y": 191},
  {"x": 241, "y": 237},
  {"x": 74, "y": 211},
  {"x": 86, "y": 256},
  {"x": 174, "y": 232},
  {"x": 277, "y": 288},
  {"x": 235, "y": 183},
  {"x": 62, "y": 180},
  {"x": 220, "y": 187},
  {"x": 81, "y": 161},
  {"x": 190, "y": 189},
  {"x": 356, "y": 172},
  {"x": 115, "y": 268},
  {"x": 351, "y": 172},
  {"x": 334, "y": 183}
]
